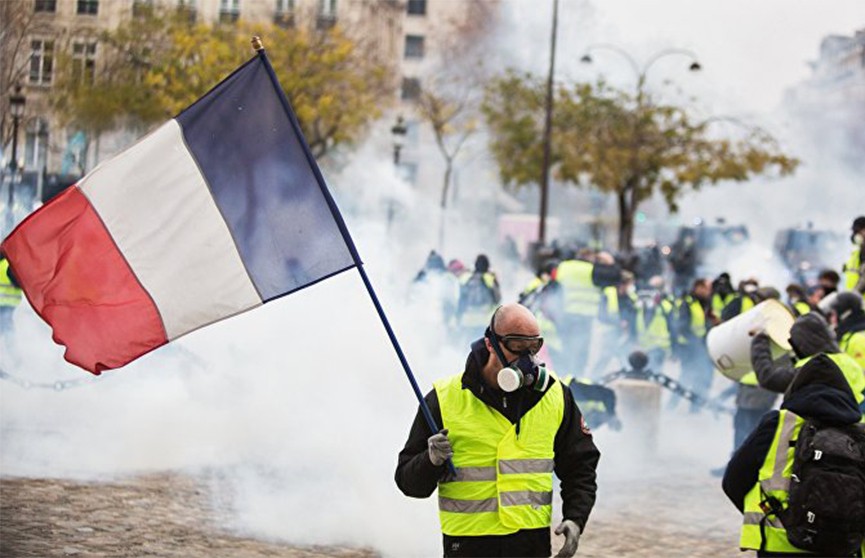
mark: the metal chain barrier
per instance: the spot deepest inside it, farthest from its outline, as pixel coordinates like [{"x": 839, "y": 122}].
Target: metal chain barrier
[
  {"x": 59, "y": 385},
  {"x": 670, "y": 384}
]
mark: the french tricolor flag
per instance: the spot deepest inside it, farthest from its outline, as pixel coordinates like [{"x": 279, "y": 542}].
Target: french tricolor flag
[{"x": 216, "y": 212}]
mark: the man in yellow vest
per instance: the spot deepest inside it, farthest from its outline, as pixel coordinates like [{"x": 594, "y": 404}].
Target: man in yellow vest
[
  {"x": 854, "y": 267},
  {"x": 508, "y": 425},
  {"x": 760, "y": 474},
  {"x": 581, "y": 280},
  {"x": 10, "y": 295},
  {"x": 478, "y": 297},
  {"x": 693, "y": 322}
]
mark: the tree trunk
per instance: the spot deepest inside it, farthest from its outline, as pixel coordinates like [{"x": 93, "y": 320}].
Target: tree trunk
[
  {"x": 444, "y": 200},
  {"x": 626, "y": 222}
]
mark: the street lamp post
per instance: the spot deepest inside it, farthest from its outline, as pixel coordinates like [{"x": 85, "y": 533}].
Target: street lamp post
[
  {"x": 16, "y": 108},
  {"x": 641, "y": 71},
  {"x": 398, "y": 132},
  {"x": 548, "y": 130},
  {"x": 626, "y": 224}
]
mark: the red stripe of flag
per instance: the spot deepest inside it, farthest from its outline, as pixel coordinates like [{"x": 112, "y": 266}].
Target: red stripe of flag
[{"x": 78, "y": 281}]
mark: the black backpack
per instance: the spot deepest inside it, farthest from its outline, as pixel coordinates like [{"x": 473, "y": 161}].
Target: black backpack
[{"x": 826, "y": 506}]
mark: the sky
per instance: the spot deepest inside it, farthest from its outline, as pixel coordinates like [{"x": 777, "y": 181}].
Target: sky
[
  {"x": 303, "y": 403},
  {"x": 750, "y": 53}
]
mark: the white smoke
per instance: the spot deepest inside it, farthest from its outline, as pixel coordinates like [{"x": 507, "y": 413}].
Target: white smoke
[{"x": 296, "y": 411}]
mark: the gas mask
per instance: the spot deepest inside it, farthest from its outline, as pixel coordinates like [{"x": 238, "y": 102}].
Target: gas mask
[{"x": 524, "y": 371}]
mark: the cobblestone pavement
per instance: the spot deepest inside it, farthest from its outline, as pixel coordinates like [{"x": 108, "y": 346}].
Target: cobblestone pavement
[
  {"x": 161, "y": 515},
  {"x": 662, "y": 513}
]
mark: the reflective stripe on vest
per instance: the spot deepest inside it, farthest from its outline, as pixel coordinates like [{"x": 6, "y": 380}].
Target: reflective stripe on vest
[
  {"x": 851, "y": 268},
  {"x": 764, "y": 529},
  {"x": 582, "y": 297},
  {"x": 503, "y": 483},
  {"x": 10, "y": 295}
]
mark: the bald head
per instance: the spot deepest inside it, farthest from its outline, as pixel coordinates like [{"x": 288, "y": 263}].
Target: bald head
[{"x": 515, "y": 319}]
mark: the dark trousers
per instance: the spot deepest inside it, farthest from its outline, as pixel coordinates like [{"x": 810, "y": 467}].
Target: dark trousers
[{"x": 528, "y": 543}]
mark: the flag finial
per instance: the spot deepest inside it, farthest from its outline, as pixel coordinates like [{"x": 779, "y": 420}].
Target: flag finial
[{"x": 256, "y": 44}]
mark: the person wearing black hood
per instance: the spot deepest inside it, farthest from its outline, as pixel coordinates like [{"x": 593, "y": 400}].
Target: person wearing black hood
[
  {"x": 809, "y": 336},
  {"x": 848, "y": 317},
  {"x": 854, "y": 267},
  {"x": 818, "y": 392},
  {"x": 491, "y": 429}
]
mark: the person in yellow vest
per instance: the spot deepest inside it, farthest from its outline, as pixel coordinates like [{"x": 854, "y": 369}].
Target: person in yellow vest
[
  {"x": 797, "y": 300},
  {"x": 581, "y": 281},
  {"x": 722, "y": 294},
  {"x": 10, "y": 295},
  {"x": 656, "y": 324},
  {"x": 508, "y": 425},
  {"x": 543, "y": 297},
  {"x": 618, "y": 323},
  {"x": 854, "y": 267},
  {"x": 848, "y": 317},
  {"x": 693, "y": 315},
  {"x": 810, "y": 335},
  {"x": 758, "y": 477},
  {"x": 479, "y": 295},
  {"x": 743, "y": 300}
]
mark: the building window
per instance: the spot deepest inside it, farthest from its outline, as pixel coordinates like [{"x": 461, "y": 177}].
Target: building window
[
  {"x": 36, "y": 146},
  {"x": 410, "y": 89},
  {"x": 84, "y": 61},
  {"x": 187, "y": 7},
  {"x": 408, "y": 171},
  {"x": 41, "y": 61},
  {"x": 414, "y": 46},
  {"x": 141, "y": 8},
  {"x": 416, "y": 7},
  {"x": 284, "y": 14},
  {"x": 229, "y": 11},
  {"x": 88, "y": 7},
  {"x": 45, "y": 6},
  {"x": 326, "y": 14}
]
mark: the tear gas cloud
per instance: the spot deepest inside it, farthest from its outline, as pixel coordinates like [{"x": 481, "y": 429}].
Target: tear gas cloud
[{"x": 296, "y": 411}]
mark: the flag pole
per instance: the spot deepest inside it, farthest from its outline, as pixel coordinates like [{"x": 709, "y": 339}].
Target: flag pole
[{"x": 259, "y": 49}]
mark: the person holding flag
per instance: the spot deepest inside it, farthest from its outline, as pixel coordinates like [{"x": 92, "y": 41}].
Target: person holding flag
[{"x": 509, "y": 424}]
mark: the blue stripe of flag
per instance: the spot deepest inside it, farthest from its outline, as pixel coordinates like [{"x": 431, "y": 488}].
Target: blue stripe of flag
[{"x": 261, "y": 180}]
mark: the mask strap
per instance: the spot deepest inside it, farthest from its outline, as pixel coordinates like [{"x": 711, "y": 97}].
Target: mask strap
[{"x": 494, "y": 340}]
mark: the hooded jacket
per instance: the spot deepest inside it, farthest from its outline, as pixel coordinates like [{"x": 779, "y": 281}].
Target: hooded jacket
[
  {"x": 819, "y": 391},
  {"x": 810, "y": 335},
  {"x": 576, "y": 457},
  {"x": 854, "y": 322}
]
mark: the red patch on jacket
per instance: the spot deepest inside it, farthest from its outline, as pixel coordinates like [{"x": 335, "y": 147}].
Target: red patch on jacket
[{"x": 585, "y": 427}]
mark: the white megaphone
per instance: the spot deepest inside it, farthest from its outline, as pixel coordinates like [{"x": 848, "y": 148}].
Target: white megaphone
[{"x": 729, "y": 343}]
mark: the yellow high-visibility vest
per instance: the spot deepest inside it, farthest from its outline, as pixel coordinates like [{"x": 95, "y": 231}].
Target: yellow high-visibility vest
[
  {"x": 504, "y": 482},
  {"x": 851, "y": 268},
  {"x": 773, "y": 480},
  {"x": 10, "y": 295},
  {"x": 582, "y": 297}
]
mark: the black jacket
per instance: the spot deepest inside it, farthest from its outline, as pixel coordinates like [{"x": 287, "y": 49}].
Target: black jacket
[
  {"x": 819, "y": 391},
  {"x": 576, "y": 457},
  {"x": 810, "y": 334}
]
